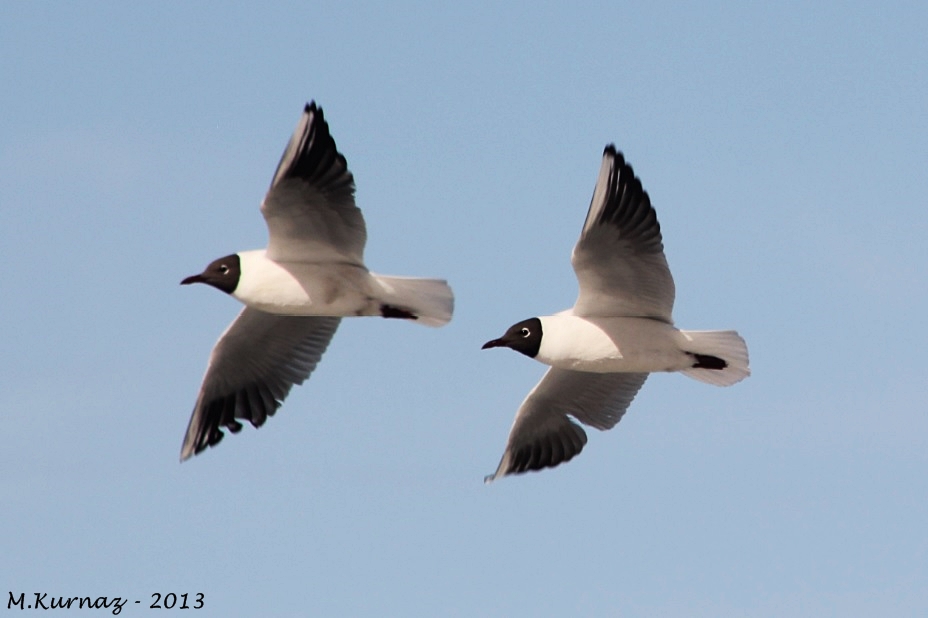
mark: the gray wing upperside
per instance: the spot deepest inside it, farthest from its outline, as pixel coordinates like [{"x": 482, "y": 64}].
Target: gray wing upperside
[
  {"x": 619, "y": 259},
  {"x": 543, "y": 435},
  {"x": 251, "y": 370},
  {"x": 309, "y": 209}
]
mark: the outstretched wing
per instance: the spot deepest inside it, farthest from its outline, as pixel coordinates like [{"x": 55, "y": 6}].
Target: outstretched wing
[
  {"x": 619, "y": 258},
  {"x": 309, "y": 209},
  {"x": 542, "y": 435},
  {"x": 252, "y": 368}
]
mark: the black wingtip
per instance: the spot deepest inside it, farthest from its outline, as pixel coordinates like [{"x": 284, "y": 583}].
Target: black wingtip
[
  {"x": 311, "y": 155},
  {"x": 550, "y": 451},
  {"x": 610, "y": 151},
  {"x": 628, "y": 206}
]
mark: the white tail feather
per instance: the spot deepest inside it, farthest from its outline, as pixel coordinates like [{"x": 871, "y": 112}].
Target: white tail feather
[
  {"x": 431, "y": 300},
  {"x": 725, "y": 344}
]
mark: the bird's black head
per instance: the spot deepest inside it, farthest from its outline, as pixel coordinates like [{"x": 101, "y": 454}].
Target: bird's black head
[
  {"x": 223, "y": 274},
  {"x": 524, "y": 337}
]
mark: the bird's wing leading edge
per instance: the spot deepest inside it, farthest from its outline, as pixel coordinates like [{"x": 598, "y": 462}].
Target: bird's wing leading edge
[
  {"x": 252, "y": 368},
  {"x": 309, "y": 208},
  {"x": 543, "y": 436},
  {"x": 619, "y": 258}
]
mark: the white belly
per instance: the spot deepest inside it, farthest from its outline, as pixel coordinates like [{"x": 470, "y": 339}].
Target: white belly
[
  {"x": 609, "y": 345},
  {"x": 296, "y": 288}
]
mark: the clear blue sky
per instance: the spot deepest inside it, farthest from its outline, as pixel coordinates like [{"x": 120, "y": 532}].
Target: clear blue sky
[{"x": 785, "y": 149}]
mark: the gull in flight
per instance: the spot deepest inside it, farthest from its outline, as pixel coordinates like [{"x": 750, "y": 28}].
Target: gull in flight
[
  {"x": 619, "y": 330},
  {"x": 297, "y": 290}
]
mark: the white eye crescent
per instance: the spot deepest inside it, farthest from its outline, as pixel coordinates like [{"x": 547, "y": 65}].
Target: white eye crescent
[
  {"x": 224, "y": 269},
  {"x": 525, "y": 332}
]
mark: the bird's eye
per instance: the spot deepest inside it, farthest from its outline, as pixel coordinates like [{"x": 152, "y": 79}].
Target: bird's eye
[
  {"x": 525, "y": 332},
  {"x": 223, "y": 269}
]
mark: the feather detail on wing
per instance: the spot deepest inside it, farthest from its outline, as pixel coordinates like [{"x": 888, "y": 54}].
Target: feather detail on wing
[
  {"x": 619, "y": 258},
  {"x": 309, "y": 209},
  {"x": 252, "y": 368},
  {"x": 543, "y": 436}
]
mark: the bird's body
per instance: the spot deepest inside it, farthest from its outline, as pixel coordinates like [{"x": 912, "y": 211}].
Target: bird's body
[
  {"x": 609, "y": 345},
  {"x": 330, "y": 289},
  {"x": 304, "y": 288},
  {"x": 296, "y": 291},
  {"x": 619, "y": 330}
]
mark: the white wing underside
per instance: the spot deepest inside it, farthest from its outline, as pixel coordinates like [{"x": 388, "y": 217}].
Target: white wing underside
[{"x": 619, "y": 258}]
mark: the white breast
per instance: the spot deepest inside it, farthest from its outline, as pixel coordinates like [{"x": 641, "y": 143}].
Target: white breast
[
  {"x": 606, "y": 345},
  {"x": 296, "y": 288}
]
